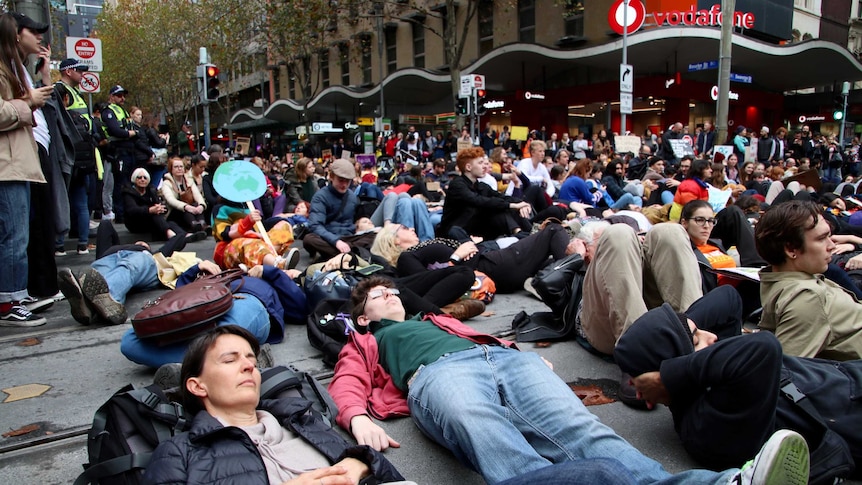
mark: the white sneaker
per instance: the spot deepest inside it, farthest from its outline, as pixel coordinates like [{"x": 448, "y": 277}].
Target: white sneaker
[
  {"x": 108, "y": 216},
  {"x": 783, "y": 460}
]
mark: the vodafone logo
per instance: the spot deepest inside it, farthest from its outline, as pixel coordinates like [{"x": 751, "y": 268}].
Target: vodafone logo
[
  {"x": 85, "y": 49},
  {"x": 635, "y": 16}
]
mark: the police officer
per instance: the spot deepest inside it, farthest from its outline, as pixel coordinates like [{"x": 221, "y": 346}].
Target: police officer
[
  {"x": 87, "y": 160},
  {"x": 120, "y": 148}
]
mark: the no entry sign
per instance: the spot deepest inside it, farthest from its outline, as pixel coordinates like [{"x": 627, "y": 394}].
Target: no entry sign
[{"x": 88, "y": 51}]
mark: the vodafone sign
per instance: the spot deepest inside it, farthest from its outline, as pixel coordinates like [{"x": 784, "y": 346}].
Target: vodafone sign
[
  {"x": 86, "y": 50},
  {"x": 692, "y": 17},
  {"x": 634, "y": 17}
]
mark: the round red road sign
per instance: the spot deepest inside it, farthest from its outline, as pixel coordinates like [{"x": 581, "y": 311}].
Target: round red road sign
[
  {"x": 635, "y": 17},
  {"x": 90, "y": 82},
  {"x": 85, "y": 49}
]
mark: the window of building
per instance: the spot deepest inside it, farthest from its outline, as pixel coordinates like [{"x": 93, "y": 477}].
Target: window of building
[
  {"x": 276, "y": 82},
  {"x": 391, "y": 50},
  {"x": 365, "y": 46},
  {"x": 859, "y": 10},
  {"x": 291, "y": 85},
  {"x": 344, "y": 57},
  {"x": 527, "y": 20},
  {"x": 573, "y": 17},
  {"x": 324, "y": 68},
  {"x": 806, "y": 4},
  {"x": 486, "y": 26},
  {"x": 418, "y": 43}
]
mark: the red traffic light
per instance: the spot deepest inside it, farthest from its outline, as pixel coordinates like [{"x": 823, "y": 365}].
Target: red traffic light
[
  {"x": 480, "y": 93},
  {"x": 212, "y": 71}
]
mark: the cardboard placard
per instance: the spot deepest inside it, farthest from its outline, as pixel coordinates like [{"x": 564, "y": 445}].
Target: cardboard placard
[
  {"x": 242, "y": 145},
  {"x": 718, "y": 198},
  {"x": 627, "y": 144},
  {"x": 725, "y": 150},
  {"x": 463, "y": 145},
  {"x": 681, "y": 148},
  {"x": 519, "y": 133}
]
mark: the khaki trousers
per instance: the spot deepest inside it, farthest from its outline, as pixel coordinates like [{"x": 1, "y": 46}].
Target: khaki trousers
[{"x": 627, "y": 278}]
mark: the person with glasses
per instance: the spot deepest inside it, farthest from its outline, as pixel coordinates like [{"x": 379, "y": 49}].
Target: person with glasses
[{"x": 483, "y": 399}]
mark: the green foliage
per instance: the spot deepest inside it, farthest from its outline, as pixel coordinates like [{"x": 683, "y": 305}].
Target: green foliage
[{"x": 151, "y": 47}]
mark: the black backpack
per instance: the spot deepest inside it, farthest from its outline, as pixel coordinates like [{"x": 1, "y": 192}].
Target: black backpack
[
  {"x": 286, "y": 381},
  {"x": 132, "y": 423},
  {"x": 126, "y": 430},
  {"x": 328, "y": 328}
]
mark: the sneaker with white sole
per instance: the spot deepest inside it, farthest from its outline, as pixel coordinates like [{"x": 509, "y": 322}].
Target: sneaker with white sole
[
  {"x": 37, "y": 305},
  {"x": 783, "y": 460},
  {"x": 20, "y": 316},
  {"x": 71, "y": 288},
  {"x": 83, "y": 249},
  {"x": 96, "y": 290},
  {"x": 59, "y": 251}
]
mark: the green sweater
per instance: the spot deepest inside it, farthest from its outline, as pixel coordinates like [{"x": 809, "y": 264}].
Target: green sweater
[{"x": 405, "y": 346}]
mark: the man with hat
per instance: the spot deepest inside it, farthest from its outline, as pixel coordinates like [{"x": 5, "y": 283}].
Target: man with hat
[
  {"x": 331, "y": 224},
  {"x": 186, "y": 140},
  {"x": 121, "y": 157},
  {"x": 86, "y": 155}
]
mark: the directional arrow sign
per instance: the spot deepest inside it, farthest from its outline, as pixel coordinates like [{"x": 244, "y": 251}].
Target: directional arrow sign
[{"x": 627, "y": 76}]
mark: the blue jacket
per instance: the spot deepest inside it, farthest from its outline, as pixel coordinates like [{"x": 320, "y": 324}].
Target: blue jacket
[
  {"x": 283, "y": 299},
  {"x": 575, "y": 189},
  {"x": 214, "y": 454},
  {"x": 327, "y": 218}
]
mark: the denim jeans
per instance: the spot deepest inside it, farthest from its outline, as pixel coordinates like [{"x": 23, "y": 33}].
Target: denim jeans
[
  {"x": 589, "y": 471},
  {"x": 107, "y": 187},
  {"x": 14, "y": 237},
  {"x": 248, "y": 312},
  {"x": 513, "y": 415},
  {"x": 128, "y": 270},
  {"x": 626, "y": 200},
  {"x": 412, "y": 212}
]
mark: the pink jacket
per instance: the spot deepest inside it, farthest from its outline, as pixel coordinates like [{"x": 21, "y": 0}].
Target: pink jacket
[{"x": 362, "y": 386}]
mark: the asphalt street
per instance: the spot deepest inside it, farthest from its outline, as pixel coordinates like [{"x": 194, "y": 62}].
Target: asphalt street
[{"x": 70, "y": 370}]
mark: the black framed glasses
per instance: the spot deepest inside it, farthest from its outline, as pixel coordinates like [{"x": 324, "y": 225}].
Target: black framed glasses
[{"x": 702, "y": 221}]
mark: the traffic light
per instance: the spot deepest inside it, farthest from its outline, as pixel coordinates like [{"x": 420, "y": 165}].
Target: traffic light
[
  {"x": 211, "y": 82},
  {"x": 480, "y": 102},
  {"x": 463, "y": 107}
]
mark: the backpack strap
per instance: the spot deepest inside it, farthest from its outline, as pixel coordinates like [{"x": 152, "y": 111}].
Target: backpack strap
[{"x": 114, "y": 466}]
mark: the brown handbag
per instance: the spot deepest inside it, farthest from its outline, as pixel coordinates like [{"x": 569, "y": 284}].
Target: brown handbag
[{"x": 187, "y": 311}]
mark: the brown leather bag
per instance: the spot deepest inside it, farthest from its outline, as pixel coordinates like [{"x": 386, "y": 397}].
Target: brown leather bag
[{"x": 187, "y": 311}]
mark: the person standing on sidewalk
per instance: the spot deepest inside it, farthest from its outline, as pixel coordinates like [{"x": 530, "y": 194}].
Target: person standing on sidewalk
[
  {"x": 121, "y": 158},
  {"x": 19, "y": 168}
]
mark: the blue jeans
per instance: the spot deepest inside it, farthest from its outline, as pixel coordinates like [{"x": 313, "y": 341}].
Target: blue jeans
[
  {"x": 412, "y": 212},
  {"x": 14, "y": 238},
  {"x": 589, "y": 471},
  {"x": 626, "y": 200},
  {"x": 513, "y": 415},
  {"x": 128, "y": 270},
  {"x": 249, "y": 313}
]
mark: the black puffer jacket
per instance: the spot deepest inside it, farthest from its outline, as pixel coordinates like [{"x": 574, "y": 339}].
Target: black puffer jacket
[{"x": 213, "y": 454}]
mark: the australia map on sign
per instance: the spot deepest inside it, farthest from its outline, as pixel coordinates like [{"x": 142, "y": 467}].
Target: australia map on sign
[{"x": 239, "y": 181}]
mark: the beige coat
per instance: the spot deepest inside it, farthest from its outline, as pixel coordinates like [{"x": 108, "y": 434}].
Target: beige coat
[
  {"x": 19, "y": 157},
  {"x": 810, "y": 315},
  {"x": 172, "y": 200}
]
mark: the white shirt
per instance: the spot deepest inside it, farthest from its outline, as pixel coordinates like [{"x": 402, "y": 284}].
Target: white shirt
[
  {"x": 581, "y": 146},
  {"x": 537, "y": 175},
  {"x": 40, "y": 131}
]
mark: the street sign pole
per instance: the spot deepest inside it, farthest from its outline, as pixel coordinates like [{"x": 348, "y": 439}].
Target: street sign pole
[
  {"x": 726, "y": 47},
  {"x": 203, "y": 58},
  {"x": 473, "y": 115},
  {"x": 845, "y": 92},
  {"x": 625, "y": 57}
]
